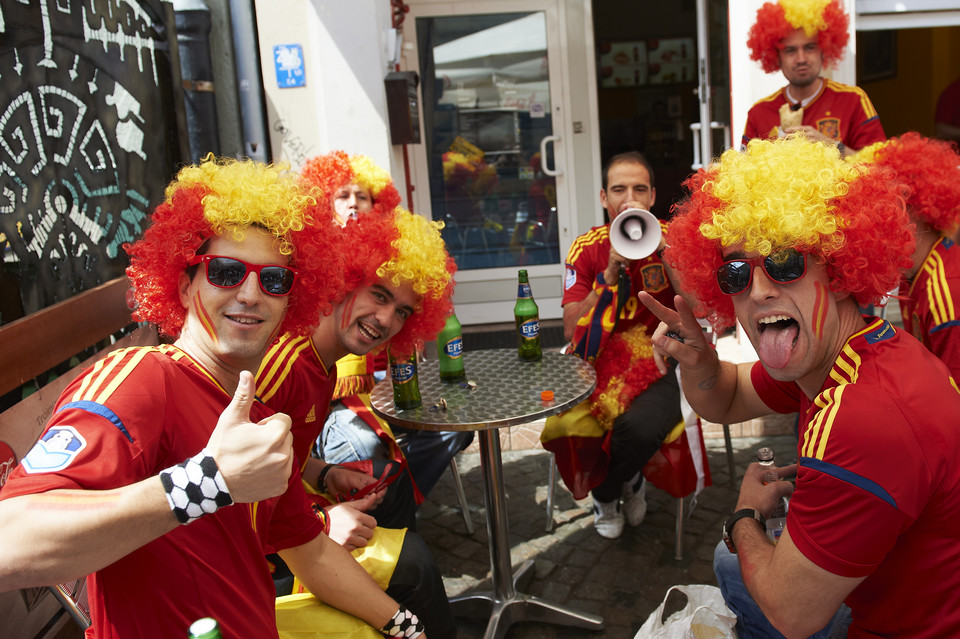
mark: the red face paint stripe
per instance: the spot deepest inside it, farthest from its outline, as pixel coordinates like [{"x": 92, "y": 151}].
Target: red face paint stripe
[
  {"x": 205, "y": 320},
  {"x": 347, "y": 310},
  {"x": 819, "y": 310}
]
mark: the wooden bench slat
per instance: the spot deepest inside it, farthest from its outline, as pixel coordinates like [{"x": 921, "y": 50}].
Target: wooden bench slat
[{"x": 34, "y": 344}]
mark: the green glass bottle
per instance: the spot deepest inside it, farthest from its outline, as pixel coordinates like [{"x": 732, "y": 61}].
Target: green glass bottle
[
  {"x": 527, "y": 317},
  {"x": 450, "y": 351},
  {"x": 206, "y": 628},
  {"x": 406, "y": 385}
]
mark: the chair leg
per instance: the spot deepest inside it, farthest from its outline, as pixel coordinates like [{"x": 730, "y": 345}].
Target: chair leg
[
  {"x": 458, "y": 484},
  {"x": 551, "y": 482},
  {"x": 678, "y": 550},
  {"x": 731, "y": 466}
]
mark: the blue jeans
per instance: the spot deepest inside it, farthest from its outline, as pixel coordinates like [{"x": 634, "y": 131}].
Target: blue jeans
[
  {"x": 346, "y": 438},
  {"x": 751, "y": 622}
]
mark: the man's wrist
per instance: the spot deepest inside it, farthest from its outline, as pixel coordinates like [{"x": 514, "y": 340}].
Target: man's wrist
[
  {"x": 322, "y": 478},
  {"x": 731, "y": 522}
]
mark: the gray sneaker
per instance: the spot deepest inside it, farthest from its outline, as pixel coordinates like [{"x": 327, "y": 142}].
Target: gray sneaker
[
  {"x": 635, "y": 500},
  {"x": 607, "y": 518}
]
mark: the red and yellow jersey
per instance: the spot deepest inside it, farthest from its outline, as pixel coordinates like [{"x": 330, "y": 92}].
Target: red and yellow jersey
[
  {"x": 586, "y": 262},
  {"x": 878, "y": 483},
  {"x": 839, "y": 111},
  {"x": 131, "y": 415},
  {"x": 293, "y": 380},
  {"x": 932, "y": 303}
]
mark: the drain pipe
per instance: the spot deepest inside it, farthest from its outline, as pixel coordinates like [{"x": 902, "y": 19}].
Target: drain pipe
[
  {"x": 196, "y": 72},
  {"x": 246, "y": 50}
]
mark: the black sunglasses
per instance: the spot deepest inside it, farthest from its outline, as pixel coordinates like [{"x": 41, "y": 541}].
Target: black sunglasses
[
  {"x": 787, "y": 265},
  {"x": 229, "y": 272}
]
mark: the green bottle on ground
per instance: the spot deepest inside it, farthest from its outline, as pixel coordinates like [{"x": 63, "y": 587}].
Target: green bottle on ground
[
  {"x": 206, "y": 628},
  {"x": 406, "y": 385},
  {"x": 450, "y": 351},
  {"x": 527, "y": 316}
]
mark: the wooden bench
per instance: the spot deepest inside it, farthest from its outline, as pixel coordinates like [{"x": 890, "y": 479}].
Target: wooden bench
[{"x": 29, "y": 348}]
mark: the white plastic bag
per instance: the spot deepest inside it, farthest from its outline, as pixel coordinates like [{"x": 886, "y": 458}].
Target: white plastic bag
[{"x": 705, "y": 616}]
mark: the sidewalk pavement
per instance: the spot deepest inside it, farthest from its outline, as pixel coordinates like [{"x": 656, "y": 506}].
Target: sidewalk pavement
[{"x": 622, "y": 580}]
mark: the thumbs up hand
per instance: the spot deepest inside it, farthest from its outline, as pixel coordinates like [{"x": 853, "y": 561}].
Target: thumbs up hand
[{"x": 255, "y": 459}]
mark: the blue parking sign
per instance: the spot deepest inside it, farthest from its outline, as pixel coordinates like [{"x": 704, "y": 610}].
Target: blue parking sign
[{"x": 288, "y": 61}]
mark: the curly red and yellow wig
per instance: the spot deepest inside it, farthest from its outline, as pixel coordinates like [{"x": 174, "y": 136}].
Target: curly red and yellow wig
[
  {"x": 335, "y": 170},
  {"x": 931, "y": 168},
  {"x": 403, "y": 248},
  {"x": 784, "y": 193},
  {"x": 776, "y": 20},
  {"x": 220, "y": 196}
]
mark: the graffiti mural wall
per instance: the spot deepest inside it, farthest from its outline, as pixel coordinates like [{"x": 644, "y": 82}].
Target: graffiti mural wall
[{"x": 87, "y": 141}]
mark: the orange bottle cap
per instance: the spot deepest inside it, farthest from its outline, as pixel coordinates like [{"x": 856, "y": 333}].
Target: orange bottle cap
[{"x": 546, "y": 395}]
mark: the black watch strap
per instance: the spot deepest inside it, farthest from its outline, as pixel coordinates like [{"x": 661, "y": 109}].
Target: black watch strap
[
  {"x": 322, "y": 477},
  {"x": 734, "y": 518}
]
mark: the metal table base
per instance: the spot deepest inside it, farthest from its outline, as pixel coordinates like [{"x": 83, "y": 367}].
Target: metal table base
[{"x": 506, "y": 605}]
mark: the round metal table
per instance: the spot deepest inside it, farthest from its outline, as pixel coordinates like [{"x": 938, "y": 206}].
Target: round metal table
[{"x": 505, "y": 391}]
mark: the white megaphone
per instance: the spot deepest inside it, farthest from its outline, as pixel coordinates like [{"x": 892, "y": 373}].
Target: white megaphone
[{"x": 635, "y": 234}]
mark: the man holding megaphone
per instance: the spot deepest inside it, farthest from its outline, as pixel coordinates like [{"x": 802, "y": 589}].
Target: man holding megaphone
[{"x": 634, "y": 407}]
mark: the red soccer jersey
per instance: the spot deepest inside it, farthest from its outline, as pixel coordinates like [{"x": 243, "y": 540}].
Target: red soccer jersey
[
  {"x": 878, "y": 487},
  {"x": 839, "y": 112},
  {"x": 293, "y": 379},
  {"x": 133, "y": 414},
  {"x": 931, "y": 306},
  {"x": 588, "y": 257}
]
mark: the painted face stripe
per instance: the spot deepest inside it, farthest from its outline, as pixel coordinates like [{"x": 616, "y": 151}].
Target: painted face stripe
[
  {"x": 348, "y": 310},
  {"x": 204, "y": 316},
  {"x": 819, "y": 309}
]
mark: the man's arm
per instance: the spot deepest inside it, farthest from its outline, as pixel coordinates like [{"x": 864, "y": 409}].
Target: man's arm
[
  {"x": 335, "y": 577},
  {"x": 64, "y": 534},
  {"x": 720, "y": 392},
  {"x": 798, "y": 597},
  {"x": 573, "y": 311}
]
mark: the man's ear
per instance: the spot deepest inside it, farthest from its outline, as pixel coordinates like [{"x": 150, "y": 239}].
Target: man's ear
[
  {"x": 653, "y": 196},
  {"x": 183, "y": 287}
]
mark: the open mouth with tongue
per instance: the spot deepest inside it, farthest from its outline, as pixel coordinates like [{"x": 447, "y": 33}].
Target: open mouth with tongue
[{"x": 778, "y": 337}]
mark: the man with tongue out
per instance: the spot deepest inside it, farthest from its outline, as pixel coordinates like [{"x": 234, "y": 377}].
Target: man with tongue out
[{"x": 789, "y": 240}]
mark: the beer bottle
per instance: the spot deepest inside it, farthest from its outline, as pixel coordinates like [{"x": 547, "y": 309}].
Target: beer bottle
[
  {"x": 527, "y": 317},
  {"x": 778, "y": 518},
  {"x": 406, "y": 386},
  {"x": 206, "y": 628},
  {"x": 450, "y": 351}
]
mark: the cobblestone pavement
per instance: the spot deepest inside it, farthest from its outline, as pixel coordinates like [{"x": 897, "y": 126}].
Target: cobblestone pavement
[{"x": 622, "y": 580}]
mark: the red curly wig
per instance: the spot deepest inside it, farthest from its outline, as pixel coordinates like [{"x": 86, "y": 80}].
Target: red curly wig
[
  {"x": 403, "y": 248},
  {"x": 335, "y": 170},
  {"x": 221, "y": 196},
  {"x": 930, "y": 168},
  {"x": 791, "y": 192},
  {"x": 776, "y": 20}
]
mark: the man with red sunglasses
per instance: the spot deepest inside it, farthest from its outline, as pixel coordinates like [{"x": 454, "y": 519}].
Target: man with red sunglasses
[
  {"x": 790, "y": 240},
  {"x": 160, "y": 474}
]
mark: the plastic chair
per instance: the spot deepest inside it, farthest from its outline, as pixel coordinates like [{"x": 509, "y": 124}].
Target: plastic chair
[{"x": 73, "y": 597}]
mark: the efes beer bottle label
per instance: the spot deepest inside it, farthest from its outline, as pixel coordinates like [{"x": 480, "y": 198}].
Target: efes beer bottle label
[
  {"x": 406, "y": 389},
  {"x": 450, "y": 351},
  {"x": 527, "y": 317}
]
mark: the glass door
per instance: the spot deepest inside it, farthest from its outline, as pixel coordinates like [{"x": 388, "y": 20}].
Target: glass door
[{"x": 490, "y": 149}]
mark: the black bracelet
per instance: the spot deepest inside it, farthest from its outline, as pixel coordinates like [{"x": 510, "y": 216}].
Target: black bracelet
[
  {"x": 403, "y": 624},
  {"x": 322, "y": 477}
]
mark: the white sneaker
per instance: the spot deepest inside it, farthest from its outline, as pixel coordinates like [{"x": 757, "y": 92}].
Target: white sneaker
[
  {"x": 635, "y": 500},
  {"x": 607, "y": 518}
]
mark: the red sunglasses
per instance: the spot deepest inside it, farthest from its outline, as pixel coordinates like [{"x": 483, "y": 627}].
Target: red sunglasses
[{"x": 229, "y": 272}]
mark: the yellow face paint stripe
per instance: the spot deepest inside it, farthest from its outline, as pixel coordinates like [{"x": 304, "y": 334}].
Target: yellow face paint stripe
[{"x": 204, "y": 316}]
